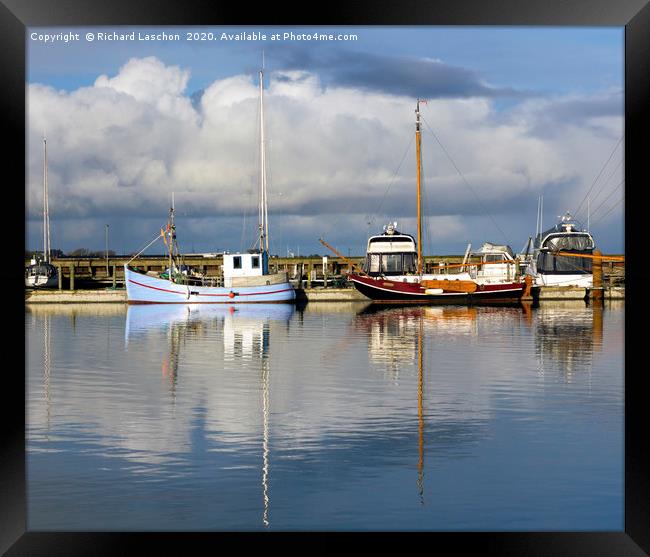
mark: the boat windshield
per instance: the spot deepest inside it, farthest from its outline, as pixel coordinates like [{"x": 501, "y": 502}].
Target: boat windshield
[
  {"x": 569, "y": 242},
  {"x": 39, "y": 270},
  {"x": 549, "y": 263},
  {"x": 391, "y": 263}
]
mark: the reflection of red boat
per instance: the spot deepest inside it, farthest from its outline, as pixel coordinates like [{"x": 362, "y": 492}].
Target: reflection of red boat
[{"x": 393, "y": 268}]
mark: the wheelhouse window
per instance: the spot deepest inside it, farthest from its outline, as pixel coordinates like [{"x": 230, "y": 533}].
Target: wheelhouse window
[
  {"x": 255, "y": 261},
  {"x": 391, "y": 262},
  {"x": 410, "y": 263},
  {"x": 494, "y": 258},
  {"x": 236, "y": 262},
  {"x": 549, "y": 263},
  {"x": 373, "y": 263}
]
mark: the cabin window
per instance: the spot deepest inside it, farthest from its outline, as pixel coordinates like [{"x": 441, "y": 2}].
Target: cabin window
[
  {"x": 255, "y": 261},
  {"x": 573, "y": 242},
  {"x": 236, "y": 262},
  {"x": 373, "y": 263},
  {"x": 391, "y": 262},
  {"x": 548, "y": 263},
  {"x": 410, "y": 263},
  {"x": 493, "y": 258}
]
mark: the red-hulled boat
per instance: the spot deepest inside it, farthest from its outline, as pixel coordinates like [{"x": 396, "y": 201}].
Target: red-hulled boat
[{"x": 393, "y": 270}]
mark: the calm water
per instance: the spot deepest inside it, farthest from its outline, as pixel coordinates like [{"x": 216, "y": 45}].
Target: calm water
[{"x": 334, "y": 417}]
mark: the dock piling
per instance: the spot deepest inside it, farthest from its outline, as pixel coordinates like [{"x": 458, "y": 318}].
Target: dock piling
[{"x": 597, "y": 270}]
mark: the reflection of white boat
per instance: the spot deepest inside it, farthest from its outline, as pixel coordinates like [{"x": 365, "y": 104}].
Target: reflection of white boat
[
  {"x": 144, "y": 318},
  {"x": 42, "y": 274},
  {"x": 246, "y": 276},
  {"x": 549, "y": 268}
]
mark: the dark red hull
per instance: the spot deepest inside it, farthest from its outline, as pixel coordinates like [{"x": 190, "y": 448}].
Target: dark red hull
[{"x": 386, "y": 290}]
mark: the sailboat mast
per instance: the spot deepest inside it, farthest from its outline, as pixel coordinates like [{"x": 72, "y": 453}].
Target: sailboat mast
[
  {"x": 418, "y": 156},
  {"x": 263, "y": 209},
  {"x": 172, "y": 236},
  {"x": 46, "y": 208}
]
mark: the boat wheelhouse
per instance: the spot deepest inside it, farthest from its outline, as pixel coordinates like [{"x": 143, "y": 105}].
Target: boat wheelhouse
[
  {"x": 391, "y": 253},
  {"x": 549, "y": 267}
]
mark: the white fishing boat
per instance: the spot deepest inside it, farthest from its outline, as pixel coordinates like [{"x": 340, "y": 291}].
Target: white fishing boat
[
  {"x": 393, "y": 270},
  {"x": 41, "y": 273},
  {"x": 563, "y": 255},
  {"x": 246, "y": 277}
]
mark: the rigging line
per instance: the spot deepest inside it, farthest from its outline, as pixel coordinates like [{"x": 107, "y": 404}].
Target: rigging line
[
  {"x": 467, "y": 183},
  {"x": 604, "y": 200},
  {"x": 390, "y": 185},
  {"x": 610, "y": 210},
  {"x": 158, "y": 236},
  {"x": 593, "y": 199},
  {"x": 596, "y": 179}
]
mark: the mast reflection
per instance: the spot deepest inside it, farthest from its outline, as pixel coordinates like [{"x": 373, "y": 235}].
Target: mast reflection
[{"x": 246, "y": 332}]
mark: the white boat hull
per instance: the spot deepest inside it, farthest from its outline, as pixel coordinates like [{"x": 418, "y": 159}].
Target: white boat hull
[
  {"x": 146, "y": 289},
  {"x": 584, "y": 280},
  {"x": 41, "y": 281}
]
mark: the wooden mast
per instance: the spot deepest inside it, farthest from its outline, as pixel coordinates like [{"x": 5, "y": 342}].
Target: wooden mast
[{"x": 418, "y": 157}]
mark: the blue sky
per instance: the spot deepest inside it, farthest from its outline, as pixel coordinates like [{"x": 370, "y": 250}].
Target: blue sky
[{"x": 521, "y": 112}]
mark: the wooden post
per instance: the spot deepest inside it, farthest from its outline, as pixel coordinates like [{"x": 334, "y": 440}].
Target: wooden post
[
  {"x": 597, "y": 270},
  {"x": 114, "y": 277},
  {"x": 309, "y": 268},
  {"x": 71, "y": 276},
  {"x": 527, "y": 295},
  {"x": 59, "y": 270}
]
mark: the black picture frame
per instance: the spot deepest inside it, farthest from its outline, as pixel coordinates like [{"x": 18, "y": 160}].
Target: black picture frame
[{"x": 16, "y": 15}]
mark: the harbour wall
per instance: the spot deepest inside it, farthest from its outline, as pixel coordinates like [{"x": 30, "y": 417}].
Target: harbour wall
[{"x": 118, "y": 295}]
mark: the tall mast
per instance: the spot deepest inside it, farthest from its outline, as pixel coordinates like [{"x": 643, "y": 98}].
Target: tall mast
[
  {"x": 418, "y": 157},
  {"x": 172, "y": 237},
  {"x": 263, "y": 209},
  {"x": 46, "y": 208}
]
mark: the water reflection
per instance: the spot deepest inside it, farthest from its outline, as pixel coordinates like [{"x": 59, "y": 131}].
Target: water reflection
[
  {"x": 567, "y": 334},
  {"x": 245, "y": 331},
  {"x": 394, "y": 331},
  {"x": 268, "y": 417},
  {"x": 396, "y": 342}
]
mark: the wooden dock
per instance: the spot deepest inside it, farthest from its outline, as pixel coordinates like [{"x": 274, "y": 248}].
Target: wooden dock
[{"x": 98, "y": 280}]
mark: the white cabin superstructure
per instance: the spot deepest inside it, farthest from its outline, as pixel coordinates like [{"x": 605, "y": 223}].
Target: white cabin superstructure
[
  {"x": 391, "y": 253},
  {"x": 549, "y": 267}
]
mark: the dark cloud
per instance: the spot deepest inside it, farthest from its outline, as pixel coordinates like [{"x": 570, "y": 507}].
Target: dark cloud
[{"x": 415, "y": 77}]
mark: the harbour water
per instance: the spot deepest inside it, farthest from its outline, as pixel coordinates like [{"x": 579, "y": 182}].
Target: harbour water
[{"x": 335, "y": 416}]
